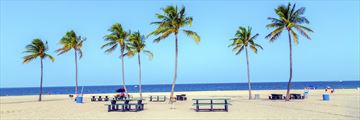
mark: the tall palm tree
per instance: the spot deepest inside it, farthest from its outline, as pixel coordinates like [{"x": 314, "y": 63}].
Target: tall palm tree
[
  {"x": 36, "y": 49},
  {"x": 136, "y": 46},
  {"x": 170, "y": 22},
  {"x": 71, "y": 41},
  {"x": 117, "y": 37},
  {"x": 243, "y": 40},
  {"x": 289, "y": 19}
]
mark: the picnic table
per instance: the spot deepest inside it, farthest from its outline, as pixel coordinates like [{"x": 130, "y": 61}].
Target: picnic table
[
  {"x": 126, "y": 105},
  {"x": 296, "y": 96},
  {"x": 181, "y": 97},
  {"x": 276, "y": 96},
  {"x": 130, "y": 99},
  {"x": 211, "y": 102},
  {"x": 157, "y": 98}
]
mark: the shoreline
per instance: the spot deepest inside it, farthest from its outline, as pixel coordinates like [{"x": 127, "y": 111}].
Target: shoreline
[
  {"x": 136, "y": 93},
  {"x": 337, "y": 81}
]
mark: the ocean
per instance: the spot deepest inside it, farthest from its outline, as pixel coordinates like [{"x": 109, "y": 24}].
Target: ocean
[{"x": 180, "y": 87}]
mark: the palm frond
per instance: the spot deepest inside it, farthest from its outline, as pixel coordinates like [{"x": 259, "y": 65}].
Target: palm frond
[
  {"x": 112, "y": 48},
  {"x": 239, "y": 51},
  {"x": 253, "y": 48},
  {"x": 302, "y": 32},
  {"x": 50, "y": 57},
  {"x": 258, "y": 46},
  {"x": 290, "y": 18},
  {"x": 37, "y": 48},
  {"x": 171, "y": 21},
  {"x": 164, "y": 35},
  {"x": 63, "y": 50},
  {"x": 80, "y": 53},
  {"x": 236, "y": 48},
  {"x": 274, "y": 34},
  {"x": 193, "y": 35},
  {"x": 295, "y": 37},
  {"x": 112, "y": 43},
  {"x": 149, "y": 54},
  {"x": 29, "y": 58}
]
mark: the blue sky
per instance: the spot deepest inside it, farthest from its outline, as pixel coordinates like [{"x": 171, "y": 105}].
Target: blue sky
[{"x": 332, "y": 54}]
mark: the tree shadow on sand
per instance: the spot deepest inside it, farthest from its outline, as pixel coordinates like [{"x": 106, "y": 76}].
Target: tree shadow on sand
[{"x": 33, "y": 101}]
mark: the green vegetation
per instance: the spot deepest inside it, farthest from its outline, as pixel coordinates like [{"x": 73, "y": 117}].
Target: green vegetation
[
  {"x": 170, "y": 22},
  {"x": 36, "y": 49},
  {"x": 71, "y": 41},
  {"x": 117, "y": 37},
  {"x": 136, "y": 45},
  {"x": 243, "y": 40},
  {"x": 289, "y": 19}
]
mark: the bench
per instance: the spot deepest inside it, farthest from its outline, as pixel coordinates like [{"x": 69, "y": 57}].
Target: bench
[
  {"x": 157, "y": 98},
  {"x": 211, "y": 103},
  {"x": 93, "y": 98}
]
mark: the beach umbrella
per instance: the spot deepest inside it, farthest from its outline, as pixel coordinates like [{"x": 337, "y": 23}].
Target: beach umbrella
[{"x": 120, "y": 90}]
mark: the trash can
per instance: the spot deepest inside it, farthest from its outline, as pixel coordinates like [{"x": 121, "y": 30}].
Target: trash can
[
  {"x": 306, "y": 94},
  {"x": 79, "y": 99},
  {"x": 326, "y": 97}
]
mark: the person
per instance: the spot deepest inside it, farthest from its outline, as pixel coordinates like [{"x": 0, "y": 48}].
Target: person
[
  {"x": 306, "y": 92},
  {"x": 328, "y": 89}
]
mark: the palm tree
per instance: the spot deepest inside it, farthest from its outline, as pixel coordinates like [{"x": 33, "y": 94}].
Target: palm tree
[
  {"x": 243, "y": 40},
  {"x": 290, "y": 19},
  {"x": 71, "y": 41},
  {"x": 170, "y": 22},
  {"x": 37, "y": 48},
  {"x": 117, "y": 37},
  {"x": 136, "y": 46}
]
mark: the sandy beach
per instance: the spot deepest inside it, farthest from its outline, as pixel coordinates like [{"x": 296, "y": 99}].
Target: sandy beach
[{"x": 344, "y": 104}]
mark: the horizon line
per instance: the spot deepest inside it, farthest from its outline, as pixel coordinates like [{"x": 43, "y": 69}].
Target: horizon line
[{"x": 191, "y": 83}]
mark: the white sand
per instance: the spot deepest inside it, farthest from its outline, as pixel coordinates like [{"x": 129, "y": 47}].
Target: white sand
[{"x": 343, "y": 104}]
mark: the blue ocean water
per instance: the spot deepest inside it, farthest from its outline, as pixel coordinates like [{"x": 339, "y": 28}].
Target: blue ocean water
[{"x": 180, "y": 87}]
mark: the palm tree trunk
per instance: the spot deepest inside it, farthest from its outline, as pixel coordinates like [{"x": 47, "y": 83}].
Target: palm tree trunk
[
  {"x": 122, "y": 68},
  {"x": 248, "y": 73},
  {"x": 139, "y": 75},
  {"x": 76, "y": 74},
  {"x": 176, "y": 61},
  {"x": 41, "y": 79},
  {"x": 289, "y": 83}
]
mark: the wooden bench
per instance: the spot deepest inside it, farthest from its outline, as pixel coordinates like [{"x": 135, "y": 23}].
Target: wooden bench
[
  {"x": 157, "y": 98},
  {"x": 211, "y": 102}
]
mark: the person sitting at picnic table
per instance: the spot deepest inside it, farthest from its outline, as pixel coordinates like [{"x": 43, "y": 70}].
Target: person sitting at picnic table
[
  {"x": 328, "y": 89},
  {"x": 120, "y": 96}
]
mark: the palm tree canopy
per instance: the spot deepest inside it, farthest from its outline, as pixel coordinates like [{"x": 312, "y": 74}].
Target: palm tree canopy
[
  {"x": 136, "y": 45},
  {"x": 289, "y": 18},
  {"x": 244, "y": 39},
  {"x": 171, "y": 21},
  {"x": 118, "y": 36},
  {"x": 37, "y": 48},
  {"x": 69, "y": 41}
]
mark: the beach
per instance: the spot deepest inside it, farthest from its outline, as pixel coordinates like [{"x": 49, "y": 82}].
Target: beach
[{"x": 344, "y": 104}]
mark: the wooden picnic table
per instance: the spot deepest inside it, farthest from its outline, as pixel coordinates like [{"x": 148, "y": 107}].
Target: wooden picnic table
[
  {"x": 126, "y": 105},
  {"x": 296, "y": 96},
  {"x": 157, "y": 98},
  {"x": 131, "y": 99},
  {"x": 276, "y": 96},
  {"x": 211, "y": 102}
]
